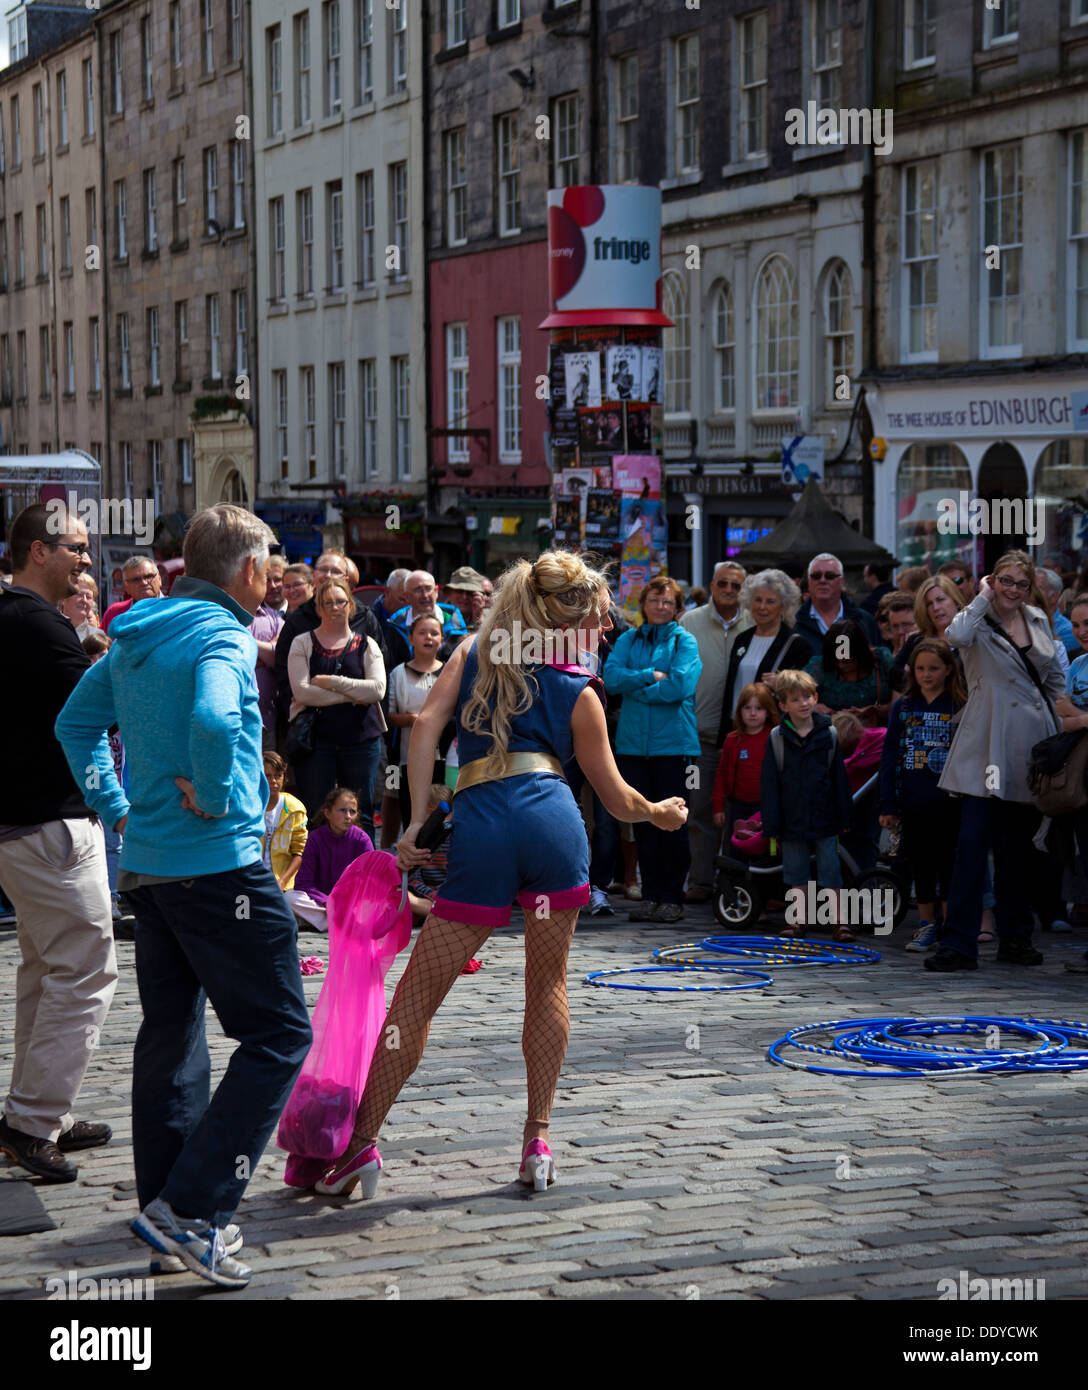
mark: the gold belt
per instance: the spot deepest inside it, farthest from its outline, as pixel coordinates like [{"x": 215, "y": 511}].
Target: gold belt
[{"x": 514, "y": 765}]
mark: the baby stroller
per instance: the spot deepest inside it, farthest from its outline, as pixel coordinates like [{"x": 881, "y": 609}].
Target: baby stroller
[{"x": 745, "y": 882}]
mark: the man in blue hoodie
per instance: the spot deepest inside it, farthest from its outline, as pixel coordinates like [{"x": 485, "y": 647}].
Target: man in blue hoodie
[{"x": 211, "y": 920}]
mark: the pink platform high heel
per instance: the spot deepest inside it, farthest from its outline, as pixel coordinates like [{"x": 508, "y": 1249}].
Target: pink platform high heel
[
  {"x": 538, "y": 1168},
  {"x": 364, "y": 1168}
]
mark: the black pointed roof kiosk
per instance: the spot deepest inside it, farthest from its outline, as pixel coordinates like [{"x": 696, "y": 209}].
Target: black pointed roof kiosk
[{"x": 811, "y": 529}]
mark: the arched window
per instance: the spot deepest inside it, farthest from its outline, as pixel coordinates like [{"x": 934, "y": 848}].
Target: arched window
[
  {"x": 777, "y": 337},
  {"x": 724, "y": 350},
  {"x": 677, "y": 343},
  {"x": 839, "y": 334}
]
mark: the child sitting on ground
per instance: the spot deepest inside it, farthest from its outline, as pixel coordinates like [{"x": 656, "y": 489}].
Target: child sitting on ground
[
  {"x": 804, "y": 791},
  {"x": 332, "y": 845}
]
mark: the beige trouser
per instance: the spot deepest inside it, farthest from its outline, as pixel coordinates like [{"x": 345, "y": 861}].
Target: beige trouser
[
  {"x": 302, "y": 905},
  {"x": 56, "y": 880}
]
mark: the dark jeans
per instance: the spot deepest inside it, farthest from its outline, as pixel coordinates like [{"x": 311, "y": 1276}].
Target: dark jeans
[
  {"x": 664, "y": 856},
  {"x": 230, "y": 938},
  {"x": 353, "y": 765},
  {"x": 604, "y": 843},
  {"x": 1021, "y": 874}
]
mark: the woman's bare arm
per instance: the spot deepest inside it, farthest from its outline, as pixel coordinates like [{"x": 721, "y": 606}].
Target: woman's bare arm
[{"x": 594, "y": 754}]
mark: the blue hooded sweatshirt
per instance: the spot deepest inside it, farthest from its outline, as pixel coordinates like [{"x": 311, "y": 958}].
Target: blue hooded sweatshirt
[{"x": 180, "y": 681}]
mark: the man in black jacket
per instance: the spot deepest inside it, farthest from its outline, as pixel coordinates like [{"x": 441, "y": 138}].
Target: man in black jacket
[
  {"x": 827, "y": 604},
  {"x": 52, "y": 856}
]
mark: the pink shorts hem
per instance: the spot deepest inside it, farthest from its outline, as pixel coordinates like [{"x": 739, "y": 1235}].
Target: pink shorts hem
[
  {"x": 562, "y": 900},
  {"x": 473, "y": 914}
]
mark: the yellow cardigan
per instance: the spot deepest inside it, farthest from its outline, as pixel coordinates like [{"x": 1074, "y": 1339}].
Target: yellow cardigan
[{"x": 289, "y": 836}]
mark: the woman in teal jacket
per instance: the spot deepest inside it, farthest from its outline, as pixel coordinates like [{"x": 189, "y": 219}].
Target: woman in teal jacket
[{"x": 655, "y": 668}]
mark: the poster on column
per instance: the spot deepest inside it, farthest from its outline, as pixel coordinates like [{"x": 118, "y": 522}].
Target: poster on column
[
  {"x": 637, "y": 475},
  {"x": 582, "y": 371},
  {"x": 623, "y": 378}
]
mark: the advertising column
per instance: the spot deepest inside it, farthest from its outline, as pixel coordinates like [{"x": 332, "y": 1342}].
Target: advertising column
[{"x": 606, "y": 379}]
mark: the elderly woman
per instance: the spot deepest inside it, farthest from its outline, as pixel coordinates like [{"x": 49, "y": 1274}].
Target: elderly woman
[
  {"x": 1013, "y": 678},
  {"x": 769, "y": 646},
  {"x": 655, "y": 668},
  {"x": 852, "y": 675},
  {"x": 80, "y": 608},
  {"x": 935, "y": 605}
]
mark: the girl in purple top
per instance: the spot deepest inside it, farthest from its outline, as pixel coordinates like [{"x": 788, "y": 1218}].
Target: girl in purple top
[{"x": 332, "y": 845}]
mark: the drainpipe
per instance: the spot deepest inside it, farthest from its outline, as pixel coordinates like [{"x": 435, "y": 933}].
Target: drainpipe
[
  {"x": 868, "y": 255},
  {"x": 430, "y": 486},
  {"x": 51, "y": 234}
]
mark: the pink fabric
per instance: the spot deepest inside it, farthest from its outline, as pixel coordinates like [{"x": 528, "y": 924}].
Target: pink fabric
[
  {"x": 865, "y": 759},
  {"x": 472, "y": 913},
  {"x": 366, "y": 930},
  {"x": 562, "y": 900},
  {"x": 748, "y": 837}
]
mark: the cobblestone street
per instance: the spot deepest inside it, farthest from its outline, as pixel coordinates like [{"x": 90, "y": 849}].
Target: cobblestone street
[{"x": 689, "y": 1165}]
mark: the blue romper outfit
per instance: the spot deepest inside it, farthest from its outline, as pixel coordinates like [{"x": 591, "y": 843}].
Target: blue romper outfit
[{"x": 539, "y": 852}]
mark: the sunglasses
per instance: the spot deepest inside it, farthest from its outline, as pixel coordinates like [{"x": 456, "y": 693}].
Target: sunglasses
[
  {"x": 961, "y": 580},
  {"x": 727, "y": 584},
  {"x": 824, "y": 574}
]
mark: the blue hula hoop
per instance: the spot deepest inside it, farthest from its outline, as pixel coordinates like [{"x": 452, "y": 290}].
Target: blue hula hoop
[{"x": 760, "y": 980}]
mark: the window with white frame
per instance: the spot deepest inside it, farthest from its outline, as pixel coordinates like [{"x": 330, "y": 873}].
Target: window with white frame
[
  {"x": 211, "y": 188},
  {"x": 676, "y": 342},
  {"x": 456, "y": 25},
  {"x": 181, "y": 197},
  {"x": 457, "y": 390},
  {"x": 154, "y": 459},
  {"x": 185, "y": 460},
  {"x": 1078, "y": 234},
  {"x": 65, "y": 234},
  {"x": 509, "y": 175},
  {"x": 1001, "y": 25},
  {"x": 3, "y": 161},
  {"x": 6, "y": 382},
  {"x": 175, "y": 34},
  {"x": 90, "y": 213},
  {"x": 368, "y": 395},
  {"x": 1003, "y": 248},
  {"x": 88, "y": 96},
  {"x": 279, "y": 388},
  {"x": 69, "y": 359},
  {"x": 686, "y": 91},
  {"x": 509, "y": 389},
  {"x": 277, "y": 250},
  {"x": 181, "y": 338},
  {"x": 752, "y": 31},
  {"x": 211, "y": 314},
  {"x": 238, "y": 183},
  {"x": 240, "y": 315},
  {"x": 120, "y": 215},
  {"x": 364, "y": 51},
  {"x": 337, "y": 410},
  {"x": 62, "y": 107},
  {"x": 21, "y": 344},
  {"x": 153, "y": 348},
  {"x": 330, "y": 24},
  {"x": 274, "y": 64},
  {"x": 151, "y": 212},
  {"x": 308, "y": 393},
  {"x": 234, "y": 53},
  {"x": 207, "y": 36},
  {"x": 124, "y": 352},
  {"x": 725, "y": 345},
  {"x": 16, "y": 134},
  {"x": 43, "y": 241},
  {"x": 3, "y": 253},
  {"x": 46, "y": 363},
  {"x": 567, "y": 137},
  {"x": 839, "y": 335},
  {"x": 398, "y": 53},
  {"x": 509, "y": 13},
  {"x": 304, "y": 229},
  {"x": 96, "y": 356},
  {"x": 20, "y": 251},
  {"x": 920, "y": 259},
  {"x": 302, "y": 69},
  {"x": 145, "y": 57},
  {"x": 364, "y": 197},
  {"x": 919, "y": 33},
  {"x": 456, "y": 188},
  {"x": 39, "y": 120},
  {"x": 125, "y": 452},
  {"x": 402, "y": 406},
  {"x": 398, "y": 217},
  {"x": 826, "y": 53},
  {"x": 334, "y": 221},
  {"x": 777, "y": 337},
  {"x": 17, "y": 39},
  {"x": 625, "y": 73},
  {"x": 117, "y": 74},
  {"x": 1080, "y": 11}
]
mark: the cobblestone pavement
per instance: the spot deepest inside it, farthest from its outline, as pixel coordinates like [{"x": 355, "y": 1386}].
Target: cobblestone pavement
[{"x": 689, "y": 1165}]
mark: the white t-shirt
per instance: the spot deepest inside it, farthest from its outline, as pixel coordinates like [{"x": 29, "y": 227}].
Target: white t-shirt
[
  {"x": 749, "y": 667},
  {"x": 408, "y": 691},
  {"x": 271, "y": 820}
]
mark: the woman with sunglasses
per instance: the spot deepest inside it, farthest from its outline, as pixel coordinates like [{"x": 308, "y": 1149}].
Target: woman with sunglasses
[
  {"x": 1013, "y": 678},
  {"x": 341, "y": 673}
]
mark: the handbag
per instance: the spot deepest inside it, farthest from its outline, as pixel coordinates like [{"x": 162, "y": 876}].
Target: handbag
[{"x": 1057, "y": 770}]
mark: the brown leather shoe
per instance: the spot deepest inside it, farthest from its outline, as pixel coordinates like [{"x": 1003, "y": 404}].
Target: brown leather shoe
[
  {"x": 38, "y": 1156},
  {"x": 698, "y": 895},
  {"x": 83, "y": 1135}
]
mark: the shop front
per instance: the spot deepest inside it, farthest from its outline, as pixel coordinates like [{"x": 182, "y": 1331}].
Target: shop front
[
  {"x": 377, "y": 547},
  {"x": 958, "y": 454},
  {"x": 715, "y": 511},
  {"x": 501, "y": 530},
  {"x": 297, "y": 526}
]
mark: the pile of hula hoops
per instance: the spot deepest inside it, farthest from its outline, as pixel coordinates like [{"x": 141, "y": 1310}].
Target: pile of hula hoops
[{"x": 716, "y": 956}]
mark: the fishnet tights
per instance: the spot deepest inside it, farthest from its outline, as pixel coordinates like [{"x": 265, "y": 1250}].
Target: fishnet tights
[{"x": 440, "y": 953}]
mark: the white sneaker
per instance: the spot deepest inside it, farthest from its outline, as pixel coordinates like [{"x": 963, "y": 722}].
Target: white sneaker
[
  {"x": 174, "y": 1264},
  {"x": 599, "y": 904},
  {"x": 200, "y": 1247}
]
